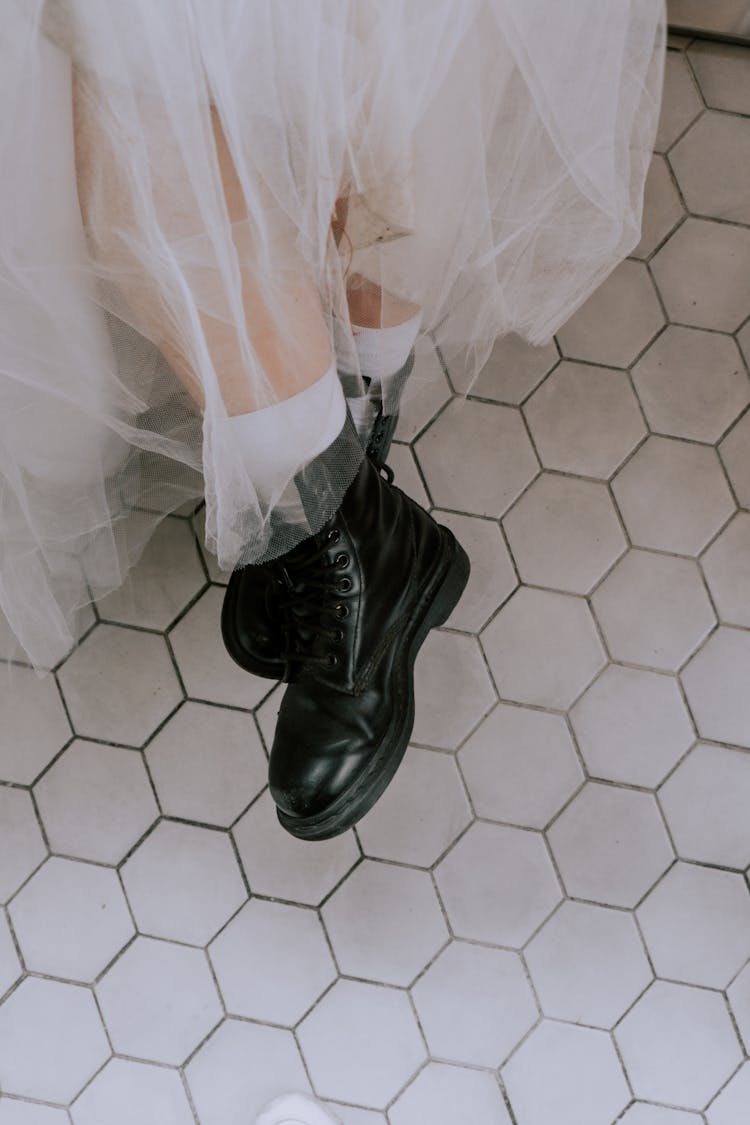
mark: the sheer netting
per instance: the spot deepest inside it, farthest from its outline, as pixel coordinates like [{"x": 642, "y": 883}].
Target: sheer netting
[{"x": 188, "y": 191}]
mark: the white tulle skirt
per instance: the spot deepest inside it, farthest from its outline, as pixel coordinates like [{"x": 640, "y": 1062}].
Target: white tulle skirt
[{"x": 484, "y": 159}]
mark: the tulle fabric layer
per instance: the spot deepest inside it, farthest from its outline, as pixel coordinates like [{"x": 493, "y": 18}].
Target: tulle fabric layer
[{"x": 492, "y": 156}]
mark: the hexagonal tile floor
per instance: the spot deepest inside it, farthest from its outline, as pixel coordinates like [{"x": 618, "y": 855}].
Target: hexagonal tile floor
[{"x": 546, "y": 920}]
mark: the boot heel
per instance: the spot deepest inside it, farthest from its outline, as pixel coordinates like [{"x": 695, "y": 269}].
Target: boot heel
[{"x": 452, "y": 585}]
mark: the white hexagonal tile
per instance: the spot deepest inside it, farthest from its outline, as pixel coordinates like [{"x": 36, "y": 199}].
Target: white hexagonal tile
[
  {"x": 119, "y": 685},
  {"x": 208, "y": 672},
  {"x": 35, "y": 726},
  {"x": 183, "y": 883},
  {"x": 721, "y": 70},
  {"x": 385, "y": 923},
  {"x": 96, "y": 802},
  {"x": 743, "y": 339},
  {"x": 56, "y": 649},
  {"x": 10, "y": 966},
  {"x": 725, "y": 565},
  {"x": 272, "y": 962},
  {"x": 588, "y": 964},
  {"x": 425, "y": 393},
  {"x": 610, "y": 845},
  {"x": 691, "y": 383},
  {"x": 71, "y": 919},
  {"x": 16, "y": 1112},
  {"x": 642, "y": 1114},
  {"x": 738, "y": 995},
  {"x": 280, "y": 866},
  {"x": 361, "y": 1043},
  {"x": 564, "y": 533},
  {"x": 715, "y": 683},
  {"x": 717, "y": 781},
  {"x": 240, "y": 1069},
  {"x": 680, "y": 104},
  {"x": 569, "y": 1075},
  {"x": 632, "y": 726},
  {"x": 165, "y": 579},
  {"x": 673, "y": 496},
  {"x": 21, "y": 844},
  {"x": 617, "y": 321},
  {"x": 678, "y": 1045},
  {"x": 158, "y": 1001},
  {"x": 512, "y": 371},
  {"x": 730, "y": 1107},
  {"x": 498, "y": 884},
  {"x": 444, "y": 1095},
  {"x": 735, "y": 453},
  {"x": 421, "y": 813},
  {"x": 543, "y": 648},
  {"x": 585, "y": 420},
  {"x": 520, "y": 766},
  {"x": 653, "y": 610},
  {"x": 125, "y": 1092},
  {"x": 452, "y": 689},
  {"x": 207, "y": 764},
  {"x": 703, "y": 274},
  {"x": 715, "y": 140},
  {"x": 502, "y": 459},
  {"x": 662, "y": 208},
  {"x": 51, "y": 1040},
  {"x": 492, "y": 579},
  {"x": 696, "y": 924},
  {"x": 474, "y": 1004}
]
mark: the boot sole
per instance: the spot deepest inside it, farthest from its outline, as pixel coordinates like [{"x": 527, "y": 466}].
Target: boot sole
[{"x": 434, "y": 609}]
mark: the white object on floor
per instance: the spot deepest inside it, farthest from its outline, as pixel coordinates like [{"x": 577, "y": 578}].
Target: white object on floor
[{"x": 296, "y": 1109}]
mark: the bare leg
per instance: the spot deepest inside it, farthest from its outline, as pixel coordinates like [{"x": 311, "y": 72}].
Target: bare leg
[
  {"x": 372, "y": 307},
  {"x": 289, "y": 360}
]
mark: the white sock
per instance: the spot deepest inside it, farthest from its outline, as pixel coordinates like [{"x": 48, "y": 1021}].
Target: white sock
[
  {"x": 378, "y": 353},
  {"x": 278, "y": 440},
  {"x": 382, "y": 352}
]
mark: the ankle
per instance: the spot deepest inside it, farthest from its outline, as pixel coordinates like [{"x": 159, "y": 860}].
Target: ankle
[{"x": 384, "y": 330}]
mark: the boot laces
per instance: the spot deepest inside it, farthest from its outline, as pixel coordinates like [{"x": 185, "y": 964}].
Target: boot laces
[
  {"x": 375, "y": 446},
  {"x": 310, "y": 604}
]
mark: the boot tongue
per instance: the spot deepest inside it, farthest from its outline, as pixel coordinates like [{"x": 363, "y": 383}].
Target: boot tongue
[{"x": 307, "y": 638}]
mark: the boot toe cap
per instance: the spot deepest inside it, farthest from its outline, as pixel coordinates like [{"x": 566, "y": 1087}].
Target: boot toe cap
[
  {"x": 316, "y": 758},
  {"x": 314, "y": 787}
]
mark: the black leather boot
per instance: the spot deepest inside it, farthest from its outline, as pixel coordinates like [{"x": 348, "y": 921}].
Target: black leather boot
[
  {"x": 250, "y": 619},
  {"x": 359, "y": 601}
]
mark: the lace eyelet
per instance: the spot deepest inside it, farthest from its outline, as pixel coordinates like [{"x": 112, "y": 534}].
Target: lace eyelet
[
  {"x": 338, "y": 635},
  {"x": 332, "y": 660},
  {"x": 345, "y": 585},
  {"x": 341, "y": 611},
  {"x": 334, "y": 535},
  {"x": 341, "y": 561}
]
